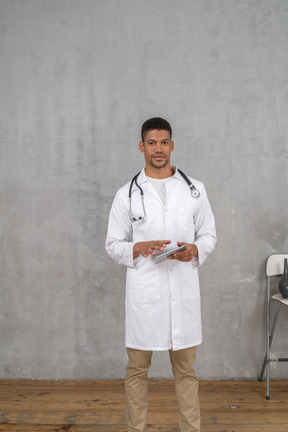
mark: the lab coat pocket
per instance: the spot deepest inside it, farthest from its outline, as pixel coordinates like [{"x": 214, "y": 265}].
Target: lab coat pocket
[
  {"x": 143, "y": 284},
  {"x": 190, "y": 282},
  {"x": 185, "y": 224},
  {"x": 185, "y": 218}
]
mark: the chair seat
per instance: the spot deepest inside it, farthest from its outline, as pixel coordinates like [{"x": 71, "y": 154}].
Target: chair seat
[{"x": 279, "y": 298}]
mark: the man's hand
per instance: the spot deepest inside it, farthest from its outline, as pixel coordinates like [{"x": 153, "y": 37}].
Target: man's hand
[
  {"x": 149, "y": 247},
  {"x": 187, "y": 254}
]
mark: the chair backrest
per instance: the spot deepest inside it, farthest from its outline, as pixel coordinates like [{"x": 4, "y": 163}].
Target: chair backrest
[{"x": 275, "y": 264}]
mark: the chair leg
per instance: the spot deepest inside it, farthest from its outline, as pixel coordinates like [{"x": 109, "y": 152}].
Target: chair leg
[
  {"x": 263, "y": 368},
  {"x": 266, "y": 362},
  {"x": 270, "y": 340},
  {"x": 268, "y": 380}
]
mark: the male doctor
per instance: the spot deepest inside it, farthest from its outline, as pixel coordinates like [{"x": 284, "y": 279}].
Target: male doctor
[{"x": 162, "y": 299}]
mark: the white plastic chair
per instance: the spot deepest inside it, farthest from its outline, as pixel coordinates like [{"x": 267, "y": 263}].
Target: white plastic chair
[{"x": 274, "y": 267}]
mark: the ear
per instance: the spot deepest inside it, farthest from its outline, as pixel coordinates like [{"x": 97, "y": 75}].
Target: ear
[
  {"x": 172, "y": 145},
  {"x": 141, "y": 146}
]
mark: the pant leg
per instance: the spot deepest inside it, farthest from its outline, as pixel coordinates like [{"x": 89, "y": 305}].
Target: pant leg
[
  {"x": 136, "y": 389},
  {"x": 186, "y": 387}
]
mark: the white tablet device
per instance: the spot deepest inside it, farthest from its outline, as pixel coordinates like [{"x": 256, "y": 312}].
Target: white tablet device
[{"x": 163, "y": 255}]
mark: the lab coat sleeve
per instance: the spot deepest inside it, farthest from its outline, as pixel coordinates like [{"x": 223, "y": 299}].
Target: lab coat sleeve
[
  {"x": 119, "y": 240},
  {"x": 205, "y": 231}
]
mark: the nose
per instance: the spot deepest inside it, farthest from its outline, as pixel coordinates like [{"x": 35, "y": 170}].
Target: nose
[{"x": 158, "y": 147}]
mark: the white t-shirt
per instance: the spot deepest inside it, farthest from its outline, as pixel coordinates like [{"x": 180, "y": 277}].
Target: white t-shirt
[{"x": 159, "y": 186}]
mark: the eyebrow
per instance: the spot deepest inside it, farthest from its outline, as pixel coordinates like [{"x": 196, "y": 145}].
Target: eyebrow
[{"x": 165, "y": 139}]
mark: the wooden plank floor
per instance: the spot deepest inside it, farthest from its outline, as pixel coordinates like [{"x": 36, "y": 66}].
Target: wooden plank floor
[{"x": 94, "y": 406}]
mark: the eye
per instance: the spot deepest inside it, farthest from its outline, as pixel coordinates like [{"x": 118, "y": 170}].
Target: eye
[{"x": 166, "y": 142}]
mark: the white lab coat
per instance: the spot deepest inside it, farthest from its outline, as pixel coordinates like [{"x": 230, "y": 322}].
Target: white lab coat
[{"x": 163, "y": 308}]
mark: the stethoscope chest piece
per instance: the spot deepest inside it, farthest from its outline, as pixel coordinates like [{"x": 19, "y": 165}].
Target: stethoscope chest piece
[{"x": 195, "y": 193}]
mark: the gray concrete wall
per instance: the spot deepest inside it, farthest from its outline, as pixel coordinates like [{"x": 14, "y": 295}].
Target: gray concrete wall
[{"x": 77, "y": 79}]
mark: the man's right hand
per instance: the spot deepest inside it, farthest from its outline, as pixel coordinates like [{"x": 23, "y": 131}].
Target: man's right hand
[{"x": 149, "y": 247}]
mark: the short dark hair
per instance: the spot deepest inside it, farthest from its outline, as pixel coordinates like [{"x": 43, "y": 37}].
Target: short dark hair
[{"x": 155, "y": 123}]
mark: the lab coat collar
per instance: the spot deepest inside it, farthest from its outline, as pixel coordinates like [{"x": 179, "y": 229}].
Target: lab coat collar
[{"x": 143, "y": 178}]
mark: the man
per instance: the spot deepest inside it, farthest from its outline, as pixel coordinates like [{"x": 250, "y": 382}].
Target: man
[{"x": 162, "y": 299}]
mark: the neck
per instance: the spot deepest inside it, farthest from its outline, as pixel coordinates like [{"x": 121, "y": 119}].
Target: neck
[{"x": 159, "y": 173}]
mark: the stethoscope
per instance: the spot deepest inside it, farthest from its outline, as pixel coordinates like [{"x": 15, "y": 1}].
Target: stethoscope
[{"x": 194, "y": 192}]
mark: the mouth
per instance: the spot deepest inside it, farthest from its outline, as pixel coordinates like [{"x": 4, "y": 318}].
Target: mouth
[{"x": 159, "y": 157}]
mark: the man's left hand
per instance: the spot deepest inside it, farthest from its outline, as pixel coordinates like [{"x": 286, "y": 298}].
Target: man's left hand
[{"x": 187, "y": 254}]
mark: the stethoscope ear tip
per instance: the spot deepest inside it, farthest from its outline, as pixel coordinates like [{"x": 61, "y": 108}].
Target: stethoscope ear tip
[{"x": 136, "y": 219}]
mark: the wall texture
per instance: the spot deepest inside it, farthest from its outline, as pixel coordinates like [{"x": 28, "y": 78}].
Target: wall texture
[{"x": 77, "y": 80}]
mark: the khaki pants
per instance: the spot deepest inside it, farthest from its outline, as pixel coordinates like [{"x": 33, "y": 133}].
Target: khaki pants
[{"x": 186, "y": 388}]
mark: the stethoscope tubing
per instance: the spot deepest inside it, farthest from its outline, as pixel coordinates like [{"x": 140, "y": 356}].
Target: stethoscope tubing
[
  {"x": 131, "y": 185},
  {"x": 194, "y": 192}
]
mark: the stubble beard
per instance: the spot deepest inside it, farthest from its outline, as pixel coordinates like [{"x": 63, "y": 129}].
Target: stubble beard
[{"x": 163, "y": 165}]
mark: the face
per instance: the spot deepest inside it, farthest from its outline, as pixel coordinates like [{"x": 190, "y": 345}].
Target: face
[{"x": 157, "y": 146}]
